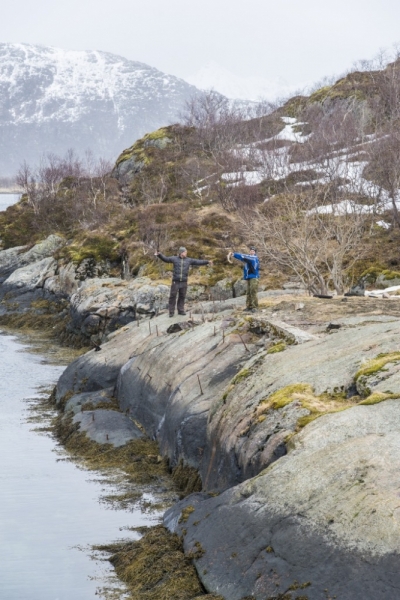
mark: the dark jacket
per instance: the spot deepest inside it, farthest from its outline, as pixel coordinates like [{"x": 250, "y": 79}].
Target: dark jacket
[
  {"x": 251, "y": 265},
  {"x": 181, "y": 266}
]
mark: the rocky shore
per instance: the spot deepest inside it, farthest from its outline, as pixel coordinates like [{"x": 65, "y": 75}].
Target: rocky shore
[{"x": 285, "y": 422}]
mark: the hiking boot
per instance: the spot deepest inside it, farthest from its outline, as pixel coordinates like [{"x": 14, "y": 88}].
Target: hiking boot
[
  {"x": 171, "y": 315},
  {"x": 182, "y": 313}
]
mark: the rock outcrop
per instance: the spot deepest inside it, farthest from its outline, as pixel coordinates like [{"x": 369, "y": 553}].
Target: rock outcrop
[
  {"x": 290, "y": 417},
  {"x": 294, "y": 437},
  {"x": 326, "y": 515},
  {"x": 97, "y": 304},
  {"x": 107, "y": 427}
]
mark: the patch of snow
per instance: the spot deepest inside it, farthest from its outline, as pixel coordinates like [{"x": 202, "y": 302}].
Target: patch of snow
[
  {"x": 346, "y": 207},
  {"x": 383, "y": 224},
  {"x": 240, "y": 177},
  {"x": 380, "y": 293}
]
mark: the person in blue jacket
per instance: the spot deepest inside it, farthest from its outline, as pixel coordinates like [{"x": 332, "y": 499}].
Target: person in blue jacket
[{"x": 251, "y": 274}]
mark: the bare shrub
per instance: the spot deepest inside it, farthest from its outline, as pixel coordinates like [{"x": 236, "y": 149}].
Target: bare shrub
[
  {"x": 67, "y": 193},
  {"x": 319, "y": 246}
]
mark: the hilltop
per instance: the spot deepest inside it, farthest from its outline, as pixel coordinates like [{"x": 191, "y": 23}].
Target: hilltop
[
  {"x": 53, "y": 99},
  {"x": 313, "y": 183}
]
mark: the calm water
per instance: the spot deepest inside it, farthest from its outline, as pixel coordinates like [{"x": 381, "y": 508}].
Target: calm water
[
  {"x": 8, "y": 199},
  {"x": 48, "y": 507}
]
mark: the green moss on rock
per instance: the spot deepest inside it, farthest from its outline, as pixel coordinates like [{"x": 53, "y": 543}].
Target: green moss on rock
[{"x": 374, "y": 365}]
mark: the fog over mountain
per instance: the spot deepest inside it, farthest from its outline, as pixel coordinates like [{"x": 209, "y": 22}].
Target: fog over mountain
[
  {"x": 52, "y": 100},
  {"x": 214, "y": 76}
]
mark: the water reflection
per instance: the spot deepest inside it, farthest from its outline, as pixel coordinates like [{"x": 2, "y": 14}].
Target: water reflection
[{"x": 47, "y": 507}]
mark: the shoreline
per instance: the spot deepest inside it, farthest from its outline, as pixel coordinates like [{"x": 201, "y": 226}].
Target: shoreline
[
  {"x": 253, "y": 415},
  {"x": 142, "y": 471}
]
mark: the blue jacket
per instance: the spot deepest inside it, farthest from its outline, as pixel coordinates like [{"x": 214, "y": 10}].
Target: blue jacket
[{"x": 251, "y": 265}]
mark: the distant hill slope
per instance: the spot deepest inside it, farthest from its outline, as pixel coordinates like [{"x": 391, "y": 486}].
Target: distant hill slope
[{"x": 53, "y": 99}]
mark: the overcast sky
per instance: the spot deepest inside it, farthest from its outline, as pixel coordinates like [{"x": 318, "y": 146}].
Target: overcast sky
[{"x": 299, "y": 41}]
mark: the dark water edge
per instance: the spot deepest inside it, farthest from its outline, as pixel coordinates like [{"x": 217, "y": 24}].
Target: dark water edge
[{"x": 51, "y": 509}]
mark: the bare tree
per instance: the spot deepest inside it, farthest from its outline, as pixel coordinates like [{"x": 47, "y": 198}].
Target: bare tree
[
  {"x": 384, "y": 166},
  {"x": 318, "y": 244},
  {"x": 64, "y": 192}
]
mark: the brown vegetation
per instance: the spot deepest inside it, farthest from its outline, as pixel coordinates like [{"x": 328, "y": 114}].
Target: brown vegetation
[{"x": 308, "y": 209}]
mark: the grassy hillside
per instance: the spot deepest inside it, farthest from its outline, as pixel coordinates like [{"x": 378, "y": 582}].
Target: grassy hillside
[{"x": 220, "y": 183}]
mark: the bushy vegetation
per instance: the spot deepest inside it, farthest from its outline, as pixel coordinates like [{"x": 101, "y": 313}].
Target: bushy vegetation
[{"x": 222, "y": 180}]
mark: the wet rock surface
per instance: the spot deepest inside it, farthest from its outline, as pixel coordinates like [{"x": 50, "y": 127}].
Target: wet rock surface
[{"x": 107, "y": 427}]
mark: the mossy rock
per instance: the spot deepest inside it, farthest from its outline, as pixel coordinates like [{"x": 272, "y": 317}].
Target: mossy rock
[
  {"x": 97, "y": 247},
  {"x": 303, "y": 393},
  {"x": 357, "y": 86}
]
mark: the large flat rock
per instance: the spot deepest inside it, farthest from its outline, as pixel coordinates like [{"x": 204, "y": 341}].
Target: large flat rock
[
  {"x": 236, "y": 434},
  {"x": 327, "y": 513}
]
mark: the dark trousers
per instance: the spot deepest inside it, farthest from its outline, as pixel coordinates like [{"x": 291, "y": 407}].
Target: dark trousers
[{"x": 178, "y": 288}]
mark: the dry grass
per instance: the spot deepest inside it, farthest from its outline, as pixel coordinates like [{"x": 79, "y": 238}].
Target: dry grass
[
  {"x": 186, "y": 479},
  {"x": 138, "y": 459},
  {"x": 155, "y": 567}
]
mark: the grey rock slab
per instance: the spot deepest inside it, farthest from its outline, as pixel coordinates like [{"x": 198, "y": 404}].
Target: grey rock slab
[
  {"x": 171, "y": 382},
  {"x": 327, "y": 513},
  {"x": 233, "y": 303},
  {"x": 240, "y": 443},
  {"x": 275, "y": 328},
  {"x": 75, "y": 403},
  {"x": 107, "y": 427},
  {"x": 32, "y": 275},
  {"x": 98, "y": 370}
]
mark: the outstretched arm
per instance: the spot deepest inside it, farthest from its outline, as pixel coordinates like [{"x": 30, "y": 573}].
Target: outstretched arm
[
  {"x": 238, "y": 256},
  {"x": 196, "y": 262},
  {"x": 167, "y": 259},
  {"x": 247, "y": 258}
]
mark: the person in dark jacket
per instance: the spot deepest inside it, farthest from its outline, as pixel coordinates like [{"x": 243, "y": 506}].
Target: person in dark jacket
[
  {"x": 180, "y": 275},
  {"x": 251, "y": 274}
]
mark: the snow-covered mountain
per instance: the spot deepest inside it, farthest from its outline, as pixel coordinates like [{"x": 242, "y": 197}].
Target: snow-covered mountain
[
  {"x": 214, "y": 76},
  {"x": 52, "y": 100}
]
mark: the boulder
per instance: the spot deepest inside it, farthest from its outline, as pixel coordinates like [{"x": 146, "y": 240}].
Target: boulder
[
  {"x": 385, "y": 280},
  {"x": 239, "y": 288},
  {"x": 75, "y": 403},
  {"x": 10, "y": 260},
  {"x": 107, "y": 427},
  {"x": 41, "y": 250},
  {"x": 17, "y": 257},
  {"x": 32, "y": 276},
  {"x": 222, "y": 290},
  {"x": 115, "y": 302},
  {"x": 196, "y": 292},
  {"x": 65, "y": 283}
]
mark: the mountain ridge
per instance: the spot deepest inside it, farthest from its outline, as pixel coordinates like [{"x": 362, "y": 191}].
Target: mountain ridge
[{"x": 53, "y": 99}]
